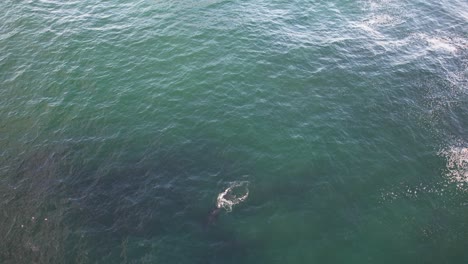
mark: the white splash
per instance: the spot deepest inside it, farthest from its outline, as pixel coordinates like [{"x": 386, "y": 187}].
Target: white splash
[{"x": 236, "y": 193}]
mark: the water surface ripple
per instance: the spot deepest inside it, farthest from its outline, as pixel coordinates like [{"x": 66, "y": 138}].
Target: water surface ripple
[{"x": 121, "y": 122}]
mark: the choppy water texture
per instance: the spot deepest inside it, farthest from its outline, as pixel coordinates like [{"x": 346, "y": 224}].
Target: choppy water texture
[{"x": 122, "y": 121}]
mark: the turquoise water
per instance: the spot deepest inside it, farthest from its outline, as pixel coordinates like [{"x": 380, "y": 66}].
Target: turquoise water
[{"x": 122, "y": 121}]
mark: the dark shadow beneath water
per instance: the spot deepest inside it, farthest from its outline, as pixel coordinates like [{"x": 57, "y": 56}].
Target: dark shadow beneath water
[
  {"x": 137, "y": 208},
  {"x": 150, "y": 209}
]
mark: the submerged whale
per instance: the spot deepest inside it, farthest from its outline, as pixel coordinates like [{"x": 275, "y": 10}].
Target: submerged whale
[{"x": 213, "y": 216}]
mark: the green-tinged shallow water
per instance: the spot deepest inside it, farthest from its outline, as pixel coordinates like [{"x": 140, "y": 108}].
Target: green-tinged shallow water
[{"x": 122, "y": 121}]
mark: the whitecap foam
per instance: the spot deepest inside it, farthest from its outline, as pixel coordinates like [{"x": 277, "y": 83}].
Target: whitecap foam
[
  {"x": 372, "y": 26},
  {"x": 438, "y": 43},
  {"x": 236, "y": 193},
  {"x": 451, "y": 44},
  {"x": 370, "y": 30},
  {"x": 382, "y": 20}
]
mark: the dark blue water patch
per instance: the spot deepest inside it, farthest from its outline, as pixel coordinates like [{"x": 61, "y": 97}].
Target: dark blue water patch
[
  {"x": 91, "y": 208},
  {"x": 32, "y": 217},
  {"x": 151, "y": 200}
]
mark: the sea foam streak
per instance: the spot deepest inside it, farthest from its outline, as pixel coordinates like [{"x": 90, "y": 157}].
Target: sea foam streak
[{"x": 236, "y": 193}]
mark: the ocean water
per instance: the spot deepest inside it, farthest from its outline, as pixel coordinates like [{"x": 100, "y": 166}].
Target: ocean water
[{"x": 125, "y": 127}]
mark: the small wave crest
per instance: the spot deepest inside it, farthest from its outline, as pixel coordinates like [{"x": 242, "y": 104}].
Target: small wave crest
[{"x": 236, "y": 193}]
